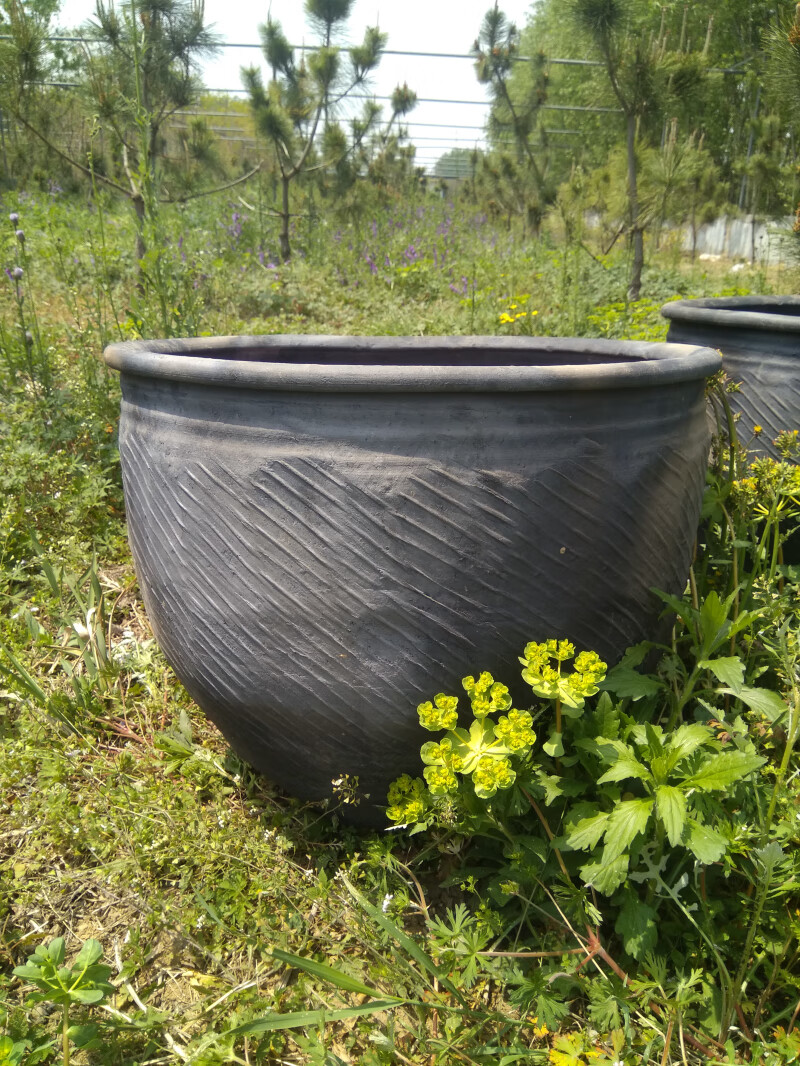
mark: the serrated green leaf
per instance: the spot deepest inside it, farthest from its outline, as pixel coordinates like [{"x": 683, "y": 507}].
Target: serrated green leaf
[
  {"x": 586, "y": 834},
  {"x": 625, "y": 822},
  {"x": 605, "y": 720},
  {"x": 606, "y": 875},
  {"x": 722, "y": 770},
  {"x": 671, "y": 808},
  {"x": 762, "y": 701},
  {"x": 706, "y": 844},
  {"x": 729, "y": 670},
  {"x": 608, "y": 749},
  {"x": 685, "y": 740},
  {"x": 636, "y": 923},
  {"x": 713, "y": 619},
  {"x": 555, "y": 786},
  {"x": 325, "y": 972},
  {"x": 655, "y": 738},
  {"x": 624, "y": 768},
  {"x": 682, "y": 609},
  {"x": 628, "y": 684},
  {"x": 636, "y": 654}
]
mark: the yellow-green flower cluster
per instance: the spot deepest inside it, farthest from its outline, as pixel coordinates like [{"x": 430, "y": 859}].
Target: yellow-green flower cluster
[
  {"x": 441, "y": 714},
  {"x": 492, "y": 774},
  {"x": 481, "y": 752},
  {"x": 441, "y": 765},
  {"x": 486, "y": 695},
  {"x": 589, "y": 671},
  {"x": 440, "y": 779},
  {"x": 514, "y": 731},
  {"x": 489, "y": 752},
  {"x": 408, "y": 800},
  {"x": 551, "y": 682}
]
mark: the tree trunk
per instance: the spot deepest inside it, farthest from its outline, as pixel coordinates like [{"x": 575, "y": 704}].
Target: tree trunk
[
  {"x": 286, "y": 251},
  {"x": 694, "y": 228},
  {"x": 141, "y": 247},
  {"x": 637, "y": 236}
]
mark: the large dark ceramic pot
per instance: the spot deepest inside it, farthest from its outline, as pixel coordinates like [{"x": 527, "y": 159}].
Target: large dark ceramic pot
[
  {"x": 328, "y": 530},
  {"x": 759, "y": 337}
]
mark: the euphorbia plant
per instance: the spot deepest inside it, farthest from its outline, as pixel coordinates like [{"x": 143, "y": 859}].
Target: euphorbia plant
[
  {"x": 645, "y": 801},
  {"x": 491, "y": 756}
]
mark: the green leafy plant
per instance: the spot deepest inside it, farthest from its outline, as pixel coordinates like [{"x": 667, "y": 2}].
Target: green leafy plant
[
  {"x": 652, "y": 804},
  {"x": 11, "y": 1051},
  {"x": 84, "y": 982}
]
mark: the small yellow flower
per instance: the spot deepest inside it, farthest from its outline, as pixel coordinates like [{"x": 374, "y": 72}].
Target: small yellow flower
[
  {"x": 758, "y": 429},
  {"x": 540, "y": 1030},
  {"x": 505, "y": 318}
]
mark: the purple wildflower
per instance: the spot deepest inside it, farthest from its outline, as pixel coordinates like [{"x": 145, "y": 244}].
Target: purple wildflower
[
  {"x": 17, "y": 273},
  {"x": 20, "y": 235},
  {"x": 13, "y": 218}
]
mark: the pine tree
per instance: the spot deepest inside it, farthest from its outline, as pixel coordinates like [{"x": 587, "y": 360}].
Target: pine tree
[{"x": 296, "y": 111}]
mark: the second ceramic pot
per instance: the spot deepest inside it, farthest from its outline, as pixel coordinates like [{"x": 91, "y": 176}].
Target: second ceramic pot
[{"x": 759, "y": 337}]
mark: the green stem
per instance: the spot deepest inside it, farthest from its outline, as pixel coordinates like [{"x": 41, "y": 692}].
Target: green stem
[
  {"x": 688, "y": 692},
  {"x": 764, "y": 885},
  {"x": 659, "y": 851},
  {"x": 733, "y": 438},
  {"x": 736, "y": 989},
  {"x": 791, "y": 740},
  {"x": 65, "y": 1033},
  {"x": 734, "y": 566}
]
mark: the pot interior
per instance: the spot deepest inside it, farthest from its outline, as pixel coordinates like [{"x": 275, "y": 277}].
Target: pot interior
[
  {"x": 388, "y": 354},
  {"x": 788, "y": 310}
]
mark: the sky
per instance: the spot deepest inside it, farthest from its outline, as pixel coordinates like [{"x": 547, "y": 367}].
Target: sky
[{"x": 412, "y": 25}]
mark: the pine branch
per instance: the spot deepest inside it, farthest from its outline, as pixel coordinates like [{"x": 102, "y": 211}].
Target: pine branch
[
  {"x": 73, "y": 162},
  {"x": 211, "y": 192}
]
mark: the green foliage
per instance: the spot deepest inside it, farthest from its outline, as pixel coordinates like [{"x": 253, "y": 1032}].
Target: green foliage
[
  {"x": 223, "y": 905},
  {"x": 85, "y": 981}
]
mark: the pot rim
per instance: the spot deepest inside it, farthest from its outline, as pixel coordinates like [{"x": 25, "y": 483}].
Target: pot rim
[
  {"x": 621, "y": 364},
  {"x": 737, "y": 312}
]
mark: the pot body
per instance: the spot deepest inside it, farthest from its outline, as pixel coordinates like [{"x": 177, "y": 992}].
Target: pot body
[
  {"x": 317, "y": 561},
  {"x": 759, "y": 337}
]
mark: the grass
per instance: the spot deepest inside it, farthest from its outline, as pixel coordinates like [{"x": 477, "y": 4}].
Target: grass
[{"x": 221, "y": 904}]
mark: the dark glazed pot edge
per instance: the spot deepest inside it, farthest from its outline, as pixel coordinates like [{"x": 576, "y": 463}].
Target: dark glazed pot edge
[
  {"x": 737, "y": 312},
  {"x": 631, "y": 364}
]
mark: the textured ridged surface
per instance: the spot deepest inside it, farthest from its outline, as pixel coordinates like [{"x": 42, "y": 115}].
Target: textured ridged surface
[
  {"x": 759, "y": 338},
  {"x": 315, "y": 565}
]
